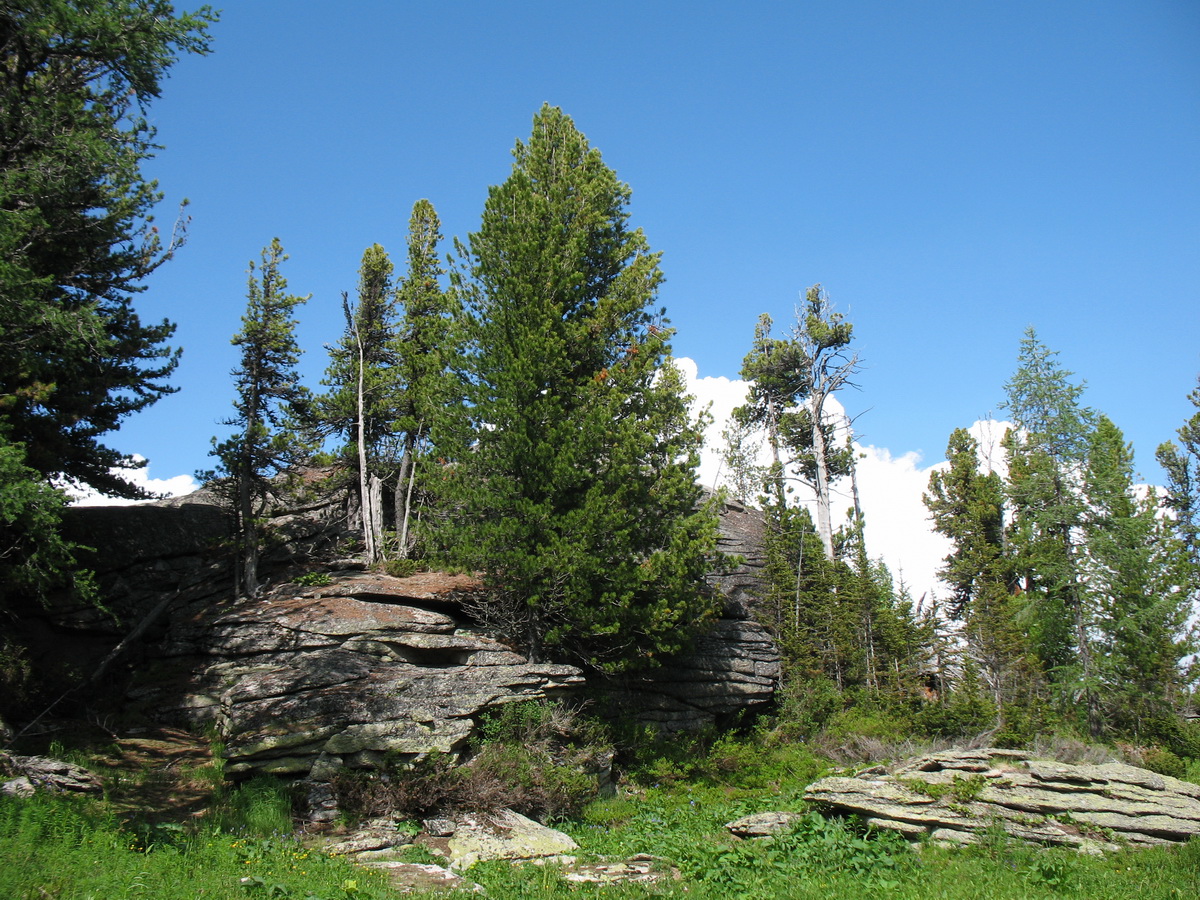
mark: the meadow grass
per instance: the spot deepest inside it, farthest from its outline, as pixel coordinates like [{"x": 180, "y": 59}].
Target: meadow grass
[{"x": 672, "y": 806}]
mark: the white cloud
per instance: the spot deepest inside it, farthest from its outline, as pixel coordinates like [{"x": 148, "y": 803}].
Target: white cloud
[
  {"x": 890, "y": 487},
  {"x": 175, "y": 486}
]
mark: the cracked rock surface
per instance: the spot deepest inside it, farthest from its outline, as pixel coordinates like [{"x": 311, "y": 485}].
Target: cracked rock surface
[{"x": 956, "y": 796}]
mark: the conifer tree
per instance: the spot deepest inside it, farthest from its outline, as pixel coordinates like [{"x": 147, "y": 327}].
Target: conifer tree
[
  {"x": 77, "y": 232},
  {"x": 1047, "y": 453},
  {"x": 363, "y": 377},
  {"x": 823, "y": 337},
  {"x": 426, "y": 347},
  {"x": 1182, "y": 464},
  {"x": 1135, "y": 589},
  {"x": 967, "y": 506},
  {"x": 268, "y": 392},
  {"x": 775, "y": 369},
  {"x": 578, "y": 496}
]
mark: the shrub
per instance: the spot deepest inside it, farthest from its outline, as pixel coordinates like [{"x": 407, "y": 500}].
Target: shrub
[
  {"x": 313, "y": 579},
  {"x": 400, "y": 568}
]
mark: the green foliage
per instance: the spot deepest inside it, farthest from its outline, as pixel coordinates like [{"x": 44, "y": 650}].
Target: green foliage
[
  {"x": 540, "y": 759},
  {"x": 578, "y": 497},
  {"x": 1136, "y": 591},
  {"x": 401, "y": 568},
  {"x": 72, "y": 849},
  {"x": 34, "y": 556},
  {"x": 313, "y": 579},
  {"x": 1181, "y": 462},
  {"x": 261, "y": 807},
  {"x": 77, "y": 237},
  {"x": 269, "y": 395}
]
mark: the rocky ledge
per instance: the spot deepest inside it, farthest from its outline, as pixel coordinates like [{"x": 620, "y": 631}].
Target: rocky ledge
[
  {"x": 368, "y": 668},
  {"x": 956, "y": 796}
]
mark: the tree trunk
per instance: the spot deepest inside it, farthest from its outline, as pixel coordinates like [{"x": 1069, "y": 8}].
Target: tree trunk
[
  {"x": 821, "y": 487},
  {"x": 375, "y": 515},
  {"x": 369, "y": 514},
  {"x": 408, "y": 473}
]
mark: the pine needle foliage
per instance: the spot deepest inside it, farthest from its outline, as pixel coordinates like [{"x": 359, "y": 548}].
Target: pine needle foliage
[
  {"x": 265, "y": 442},
  {"x": 578, "y": 496}
]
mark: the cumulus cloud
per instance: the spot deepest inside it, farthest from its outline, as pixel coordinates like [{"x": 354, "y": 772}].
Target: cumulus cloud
[
  {"x": 890, "y": 487},
  {"x": 174, "y": 486}
]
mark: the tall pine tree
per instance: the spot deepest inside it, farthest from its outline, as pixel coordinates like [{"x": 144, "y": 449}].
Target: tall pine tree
[
  {"x": 967, "y": 507},
  {"x": 427, "y": 347},
  {"x": 268, "y": 392},
  {"x": 578, "y": 497},
  {"x": 363, "y": 377},
  {"x": 1047, "y": 454},
  {"x": 1135, "y": 589}
]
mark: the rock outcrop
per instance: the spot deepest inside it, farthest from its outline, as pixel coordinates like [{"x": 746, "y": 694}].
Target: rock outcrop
[
  {"x": 368, "y": 668},
  {"x": 735, "y": 665},
  {"x": 956, "y": 796},
  {"x": 41, "y": 773},
  {"x": 307, "y": 680}
]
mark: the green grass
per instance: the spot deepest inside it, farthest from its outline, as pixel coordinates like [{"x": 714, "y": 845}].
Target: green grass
[
  {"x": 69, "y": 849},
  {"x": 673, "y": 806}
]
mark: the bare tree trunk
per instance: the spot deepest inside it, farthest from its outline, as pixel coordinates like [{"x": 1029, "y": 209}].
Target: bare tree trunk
[
  {"x": 246, "y": 573},
  {"x": 821, "y": 487},
  {"x": 408, "y": 473},
  {"x": 369, "y": 506},
  {"x": 375, "y": 508}
]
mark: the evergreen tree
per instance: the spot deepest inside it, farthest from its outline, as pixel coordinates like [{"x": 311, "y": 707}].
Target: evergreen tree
[
  {"x": 823, "y": 338},
  {"x": 363, "y": 376},
  {"x": 578, "y": 497},
  {"x": 967, "y": 507},
  {"x": 269, "y": 391},
  {"x": 426, "y": 348},
  {"x": 1181, "y": 462},
  {"x": 1047, "y": 453},
  {"x": 776, "y": 371},
  {"x": 1135, "y": 589},
  {"x": 77, "y": 238},
  {"x": 34, "y": 556}
]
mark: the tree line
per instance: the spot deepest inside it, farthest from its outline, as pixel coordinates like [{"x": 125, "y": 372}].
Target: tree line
[
  {"x": 513, "y": 409},
  {"x": 1070, "y": 586}
]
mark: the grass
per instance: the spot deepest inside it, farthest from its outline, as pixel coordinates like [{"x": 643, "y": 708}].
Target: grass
[{"x": 673, "y": 805}]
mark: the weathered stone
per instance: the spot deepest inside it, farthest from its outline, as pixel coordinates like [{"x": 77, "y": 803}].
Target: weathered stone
[
  {"x": 735, "y": 665},
  {"x": 638, "y": 870},
  {"x": 410, "y": 878},
  {"x": 41, "y": 773},
  {"x": 365, "y": 670},
  {"x": 505, "y": 835},
  {"x": 762, "y": 824},
  {"x": 956, "y": 795}
]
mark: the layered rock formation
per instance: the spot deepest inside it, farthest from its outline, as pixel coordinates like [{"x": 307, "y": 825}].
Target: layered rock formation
[
  {"x": 956, "y": 796},
  {"x": 735, "y": 665},
  {"x": 306, "y": 680}
]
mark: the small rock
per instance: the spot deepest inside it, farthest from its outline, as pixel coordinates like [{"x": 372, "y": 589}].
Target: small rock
[
  {"x": 762, "y": 824},
  {"x": 409, "y": 878},
  {"x": 439, "y": 827}
]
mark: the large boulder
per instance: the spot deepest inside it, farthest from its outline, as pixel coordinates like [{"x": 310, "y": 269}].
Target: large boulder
[
  {"x": 365, "y": 671},
  {"x": 956, "y": 796}
]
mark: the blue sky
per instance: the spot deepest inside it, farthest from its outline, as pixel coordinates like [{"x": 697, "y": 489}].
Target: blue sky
[{"x": 951, "y": 172}]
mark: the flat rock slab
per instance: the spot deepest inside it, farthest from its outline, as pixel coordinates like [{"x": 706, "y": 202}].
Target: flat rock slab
[
  {"x": 412, "y": 878},
  {"x": 762, "y": 824},
  {"x": 505, "y": 835},
  {"x": 955, "y": 796}
]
